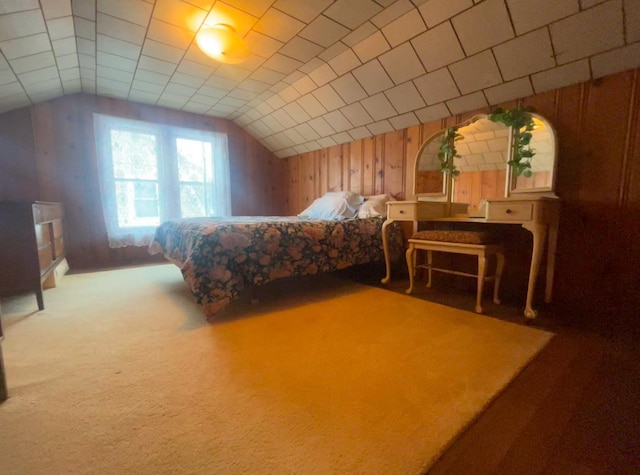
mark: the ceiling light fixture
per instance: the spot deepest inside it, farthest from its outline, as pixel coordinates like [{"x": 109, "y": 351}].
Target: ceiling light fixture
[{"x": 222, "y": 43}]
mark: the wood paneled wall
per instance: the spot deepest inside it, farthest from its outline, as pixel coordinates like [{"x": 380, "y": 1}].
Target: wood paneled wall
[
  {"x": 48, "y": 153},
  {"x": 598, "y": 261}
]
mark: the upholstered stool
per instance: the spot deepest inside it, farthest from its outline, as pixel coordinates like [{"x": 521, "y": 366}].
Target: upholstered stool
[{"x": 477, "y": 243}]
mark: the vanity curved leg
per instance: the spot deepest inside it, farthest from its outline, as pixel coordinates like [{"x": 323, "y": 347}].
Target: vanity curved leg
[
  {"x": 498, "y": 278},
  {"x": 539, "y": 232},
  {"x": 410, "y": 262},
  {"x": 482, "y": 273},
  {"x": 385, "y": 248}
]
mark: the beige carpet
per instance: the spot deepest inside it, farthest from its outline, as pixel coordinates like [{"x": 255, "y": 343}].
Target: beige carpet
[{"x": 121, "y": 374}]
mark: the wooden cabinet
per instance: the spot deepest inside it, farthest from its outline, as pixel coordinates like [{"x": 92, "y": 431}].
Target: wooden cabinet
[{"x": 31, "y": 247}]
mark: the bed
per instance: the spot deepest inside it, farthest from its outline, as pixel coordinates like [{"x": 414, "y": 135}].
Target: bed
[{"x": 220, "y": 257}]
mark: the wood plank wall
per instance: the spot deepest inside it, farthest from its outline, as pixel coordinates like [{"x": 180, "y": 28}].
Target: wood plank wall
[
  {"x": 598, "y": 261},
  {"x": 48, "y": 153}
]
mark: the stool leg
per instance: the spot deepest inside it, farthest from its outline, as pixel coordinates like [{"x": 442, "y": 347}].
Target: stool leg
[
  {"x": 429, "y": 264},
  {"x": 499, "y": 269},
  {"x": 482, "y": 271},
  {"x": 410, "y": 261}
]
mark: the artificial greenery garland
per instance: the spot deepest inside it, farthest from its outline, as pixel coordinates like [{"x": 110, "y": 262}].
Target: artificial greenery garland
[
  {"x": 448, "y": 152},
  {"x": 521, "y": 122}
]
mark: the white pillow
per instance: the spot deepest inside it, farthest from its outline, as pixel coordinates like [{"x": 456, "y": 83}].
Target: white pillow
[
  {"x": 374, "y": 206},
  {"x": 334, "y": 205}
]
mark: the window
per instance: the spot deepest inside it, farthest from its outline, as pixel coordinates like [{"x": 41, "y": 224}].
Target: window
[{"x": 150, "y": 173}]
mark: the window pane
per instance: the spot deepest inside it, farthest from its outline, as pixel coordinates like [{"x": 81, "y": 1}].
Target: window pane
[
  {"x": 194, "y": 160},
  {"x": 134, "y": 155},
  {"x": 137, "y": 203},
  {"x": 192, "y": 201}
]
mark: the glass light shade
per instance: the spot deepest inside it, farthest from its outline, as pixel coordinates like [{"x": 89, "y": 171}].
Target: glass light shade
[{"x": 221, "y": 43}]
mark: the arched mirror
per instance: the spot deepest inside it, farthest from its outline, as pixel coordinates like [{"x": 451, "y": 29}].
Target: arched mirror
[
  {"x": 430, "y": 183},
  {"x": 484, "y": 148},
  {"x": 542, "y": 175}
]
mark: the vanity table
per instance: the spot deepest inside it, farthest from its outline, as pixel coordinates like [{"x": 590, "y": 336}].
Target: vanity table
[
  {"x": 482, "y": 155},
  {"x": 540, "y": 216}
]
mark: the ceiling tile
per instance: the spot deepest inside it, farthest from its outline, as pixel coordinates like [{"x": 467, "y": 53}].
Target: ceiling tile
[
  {"x": 352, "y": 13},
  {"x": 356, "y": 114},
  {"x": 529, "y": 15},
  {"x": 117, "y": 62},
  {"x": 179, "y": 89},
  {"x": 509, "y": 91},
  {"x": 378, "y": 107},
  {"x": 475, "y": 73},
  {"x": 300, "y": 49},
  {"x": 307, "y": 132},
  {"x": 256, "y": 8},
  {"x": 616, "y": 60},
  {"x": 396, "y": 9},
  {"x": 485, "y": 25},
  {"x": 328, "y": 97},
  {"x": 187, "y": 80},
  {"x": 84, "y": 28},
  {"x": 437, "y": 11},
  {"x": 371, "y": 47},
  {"x": 304, "y": 85},
  {"x": 527, "y": 54},
  {"x": 123, "y": 30},
  {"x": 359, "y": 133},
  {"x": 64, "y": 46},
  {"x": 267, "y": 75},
  {"x": 178, "y": 13},
  {"x": 344, "y": 62},
  {"x": 561, "y": 76},
  {"x": 404, "y": 28},
  {"x": 166, "y": 33},
  {"x": 632, "y": 20},
  {"x": 278, "y": 25},
  {"x": 338, "y": 121},
  {"x": 589, "y": 32},
  {"x": 25, "y": 46},
  {"x": 438, "y": 47},
  {"x": 67, "y": 61},
  {"x": 282, "y": 64},
  {"x": 212, "y": 92},
  {"x": 402, "y": 64},
  {"x": 359, "y": 34},
  {"x": 85, "y": 8},
  {"x": 296, "y": 112},
  {"x": 44, "y": 74},
  {"x": 283, "y": 118},
  {"x": 6, "y": 77},
  {"x": 56, "y": 8},
  {"x": 333, "y": 51},
  {"x": 17, "y": 6},
  {"x": 17, "y": 25},
  {"x": 437, "y": 86},
  {"x": 61, "y": 28},
  {"x": 305, "y": 11},
  {"x": 152, "y": 77},
  {"x": 324, "y": 31},
  {"x": 194, "y": 69},
  {"x": 133, "y": 11},
  {"x": 163, "y": 51},
  {"x": 115, "y": 74},
  {"x": 321, "y": 126},
  {"x": 156, "y": 65},
  {"x": 373, "y": 77},
  {"x": 311, "y": 105},
  {"x": 467, "y": 103},
  {"x": 322, "y": 75},
  {"x": 33, "y": 62},
  {"x": 379, "y": 128},
  {"x": 404, "y": 121},
  {"x": 348, "y": 88},
  {"x": 405, "y": 97}
]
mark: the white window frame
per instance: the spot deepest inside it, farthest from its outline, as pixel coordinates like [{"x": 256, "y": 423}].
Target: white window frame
[{"x": 168, "y": 179}]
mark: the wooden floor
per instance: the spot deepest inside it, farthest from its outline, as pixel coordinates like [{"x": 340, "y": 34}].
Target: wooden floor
[{"x": 574, "y": 410}]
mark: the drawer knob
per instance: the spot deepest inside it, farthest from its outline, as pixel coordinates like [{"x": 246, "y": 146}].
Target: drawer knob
[
  {"x": 401, "y": 211},
  {"x": 508, "y": 211}
]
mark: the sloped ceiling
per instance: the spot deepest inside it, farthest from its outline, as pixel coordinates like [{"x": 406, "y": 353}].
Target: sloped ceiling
[{"x": 322, "y": 72}]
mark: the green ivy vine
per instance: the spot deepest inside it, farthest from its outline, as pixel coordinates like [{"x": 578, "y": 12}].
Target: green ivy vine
[
  {"x": 447, "y": 151},
  {"x": 521, "y": 122}
]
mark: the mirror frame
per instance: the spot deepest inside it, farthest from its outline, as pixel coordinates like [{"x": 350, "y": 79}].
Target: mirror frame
[
  {"x": 511, "y": 179},
  {"x": 510, "y": 187},
  {"x": 446, "y": 186}
]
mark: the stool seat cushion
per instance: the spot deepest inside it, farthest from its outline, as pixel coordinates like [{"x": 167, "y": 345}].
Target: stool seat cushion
[{"x": 463, "y": 237}]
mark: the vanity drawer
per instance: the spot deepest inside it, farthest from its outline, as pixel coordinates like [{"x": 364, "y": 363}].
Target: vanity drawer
[
  {"x": 504, "y": 211},
  {"x": 402, "y": 211}
]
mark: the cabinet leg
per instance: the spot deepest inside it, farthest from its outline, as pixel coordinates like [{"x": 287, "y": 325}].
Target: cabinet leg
[{"x": 40, "y": 299}]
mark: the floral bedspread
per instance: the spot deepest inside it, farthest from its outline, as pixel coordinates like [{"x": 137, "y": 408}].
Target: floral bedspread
[{"x": 219, "y": 257}]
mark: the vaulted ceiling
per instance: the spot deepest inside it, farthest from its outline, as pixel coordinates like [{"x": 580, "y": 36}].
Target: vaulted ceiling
[{"x": 321, "y": 72}]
